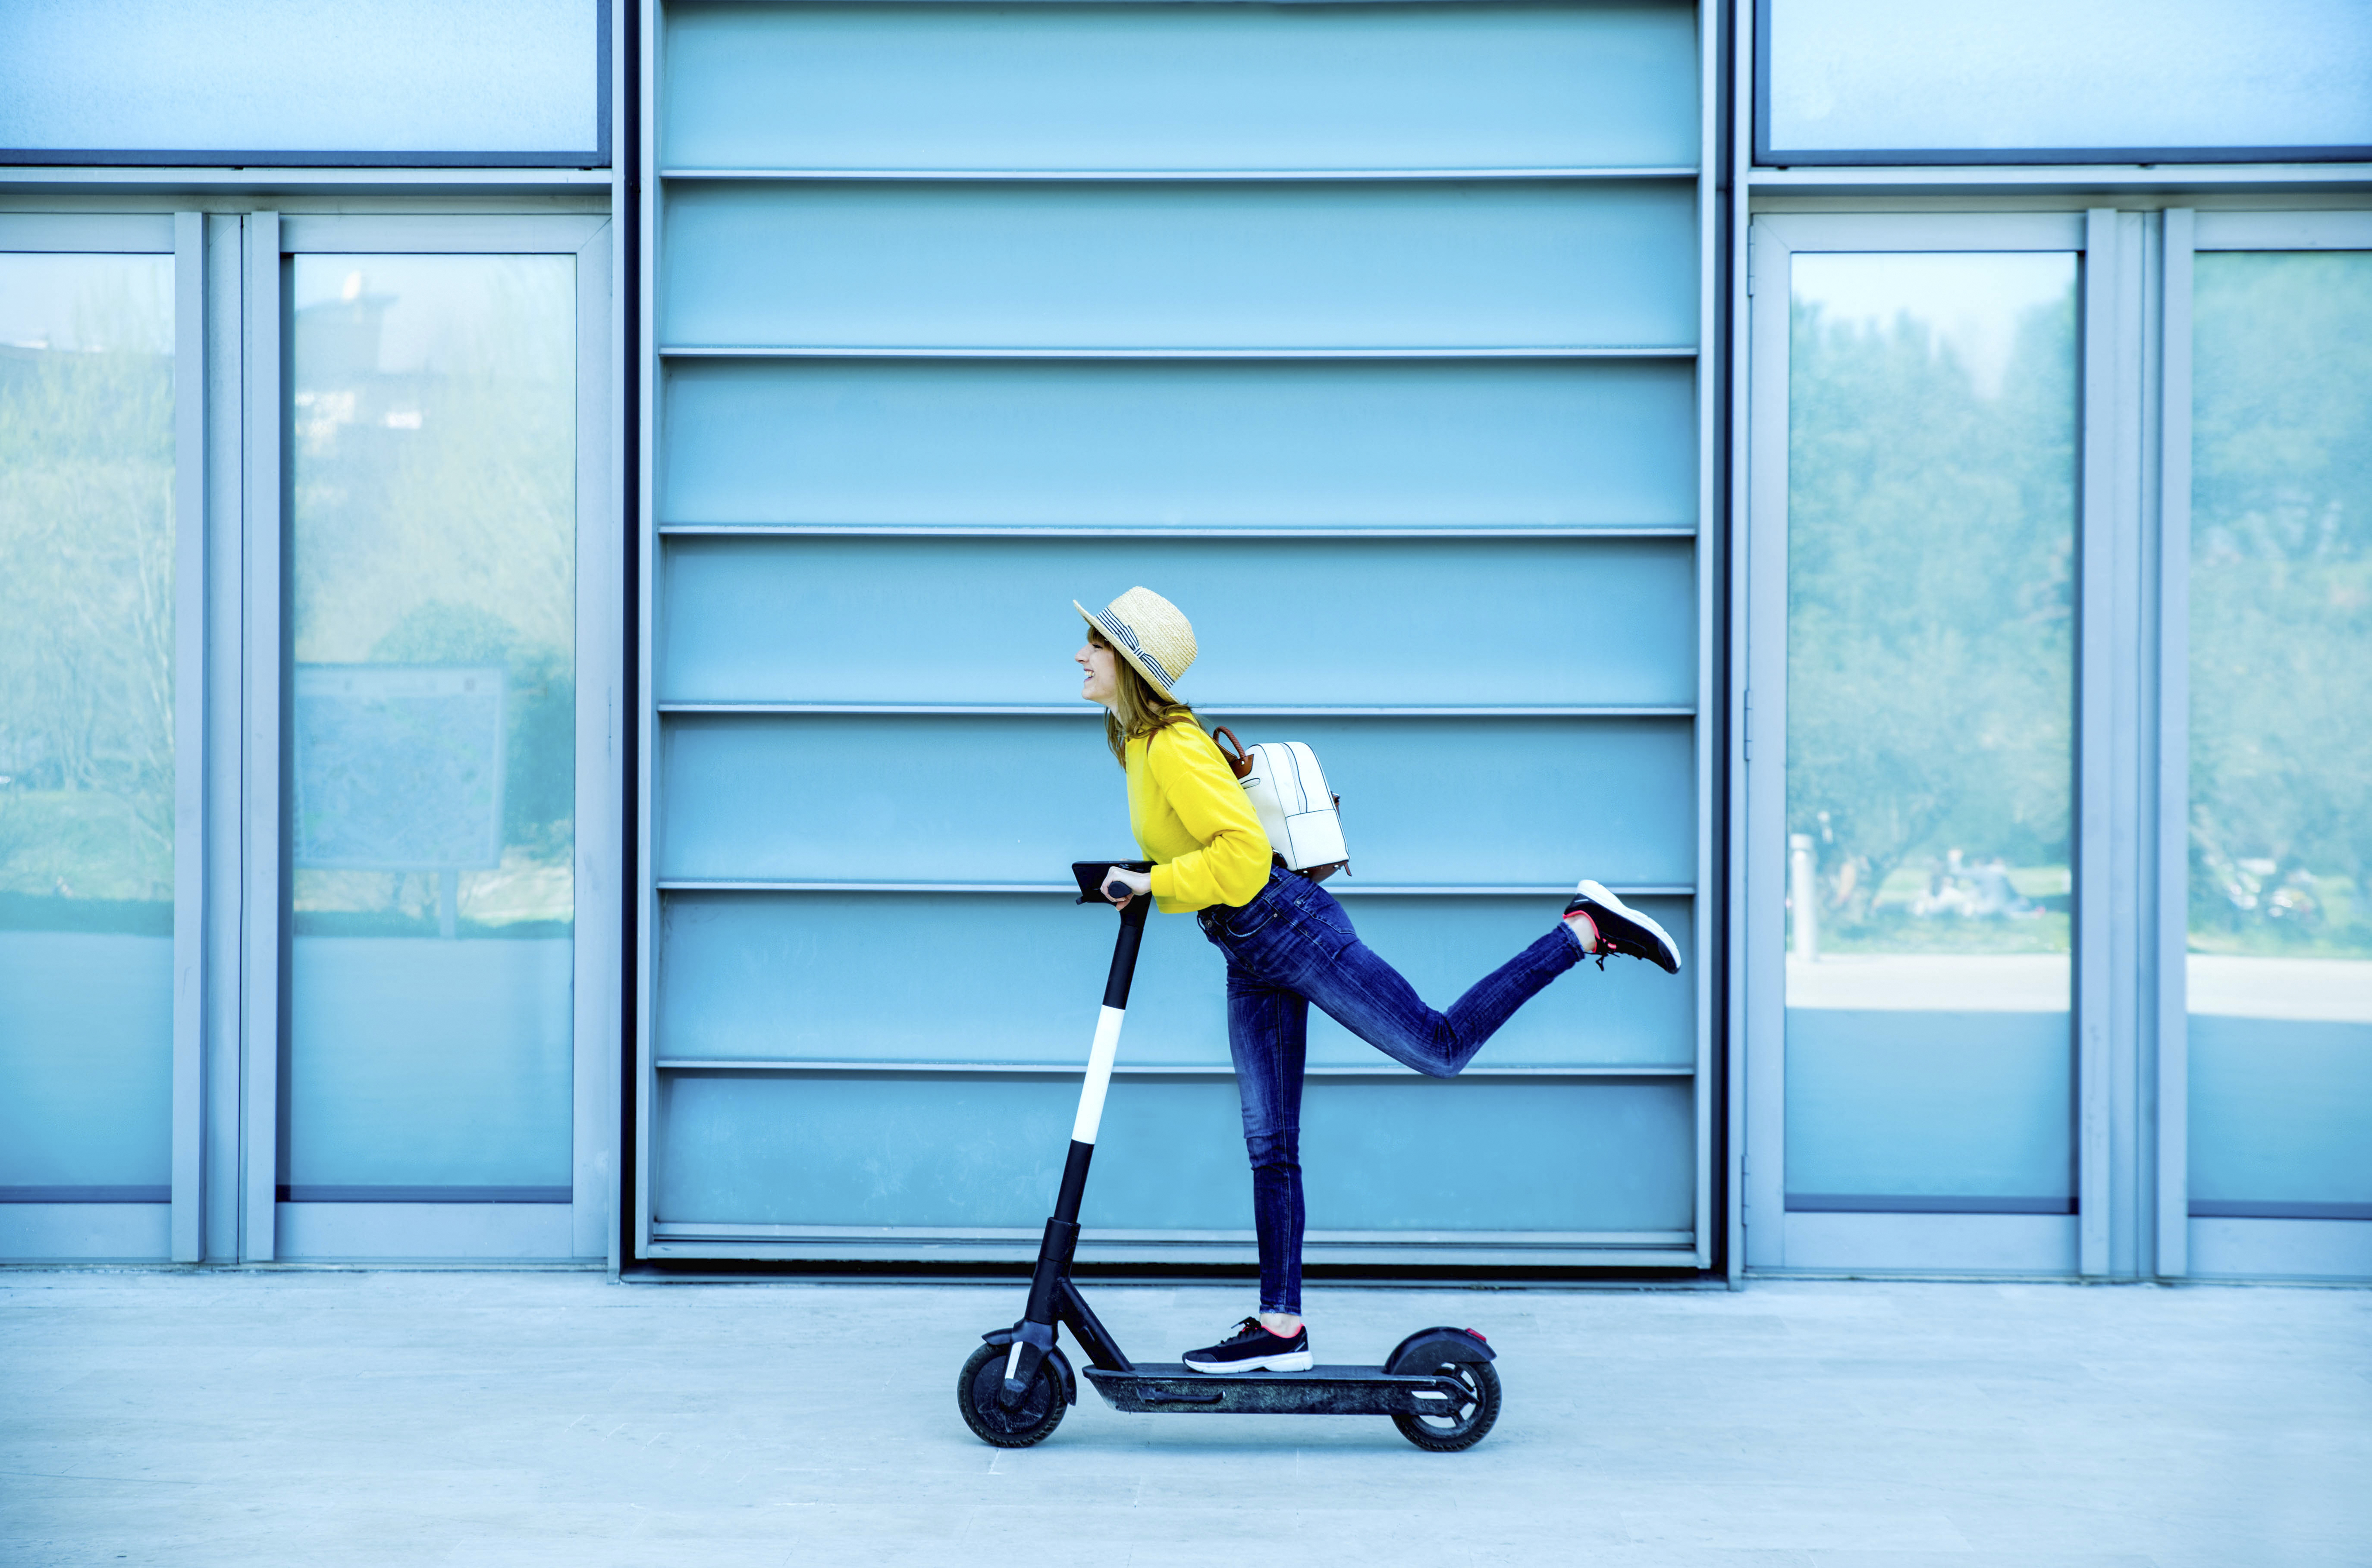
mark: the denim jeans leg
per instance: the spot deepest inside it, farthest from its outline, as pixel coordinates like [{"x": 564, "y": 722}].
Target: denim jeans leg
[
  {"x": 1268, "y": 1030},
  {"x": 1358, "y": 989}
]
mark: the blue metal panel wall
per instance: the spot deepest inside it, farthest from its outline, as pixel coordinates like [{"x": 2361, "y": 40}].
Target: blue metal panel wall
[{"x": 1369, "y": 335}]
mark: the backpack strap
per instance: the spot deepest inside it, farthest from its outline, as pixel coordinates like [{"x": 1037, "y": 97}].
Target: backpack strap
[{"x": 1233, "y": 752}]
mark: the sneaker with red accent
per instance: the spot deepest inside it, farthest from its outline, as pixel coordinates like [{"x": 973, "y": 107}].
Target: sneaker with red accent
[{"x": 1619, "y": 929}]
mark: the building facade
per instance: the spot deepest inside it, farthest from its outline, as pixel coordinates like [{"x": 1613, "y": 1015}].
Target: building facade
[{"x": 536, "y": 703}]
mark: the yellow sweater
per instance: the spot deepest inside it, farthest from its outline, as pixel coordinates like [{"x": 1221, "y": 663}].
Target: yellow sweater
[{"x": 1192, "y": 819}]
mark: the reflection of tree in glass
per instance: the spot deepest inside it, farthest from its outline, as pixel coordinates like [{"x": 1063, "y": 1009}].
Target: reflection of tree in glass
[
  {"x": 436, "y": 525},
  {"x": 86, "y": 609},
  {"x": 2281, "y": 603},
  {"x": 1930, "y": 539}
]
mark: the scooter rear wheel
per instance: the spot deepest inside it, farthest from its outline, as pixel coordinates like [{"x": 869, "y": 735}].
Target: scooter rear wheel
[
  {"x": 1031, "y": 1418},
  {"x": 1463, "y": 1425}
]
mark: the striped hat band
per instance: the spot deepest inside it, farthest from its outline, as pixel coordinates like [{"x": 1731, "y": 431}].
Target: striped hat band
[{"x": 1150, "y": 632}]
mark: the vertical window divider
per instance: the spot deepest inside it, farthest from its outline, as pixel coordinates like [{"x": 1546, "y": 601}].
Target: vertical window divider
[
  {"x": 1709, "y": 680},
  {"x": 2094, "y": 655},
  {"x": 259, "y": 742},
  {"x": 1762, "y": 918},
  {"x": 640, "y": 1122},
  {"x": 223, "y": 673},
  {"x": 2173, "y": 1076},
  {"x": 2111, "y": 794},
  {"x": 188, "y": 736},
  {"x": 599, "y": 539}
]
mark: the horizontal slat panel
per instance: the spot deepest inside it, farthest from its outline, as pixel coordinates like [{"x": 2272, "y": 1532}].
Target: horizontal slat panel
[
  {"x": 1507, "y": 622},
  {"x": 1487, "y": 1155},
  {"x": 1450, "y": 801},
  {"x": 1178, "y": 87},
  {"x": 1018, "y": 978},
  {"x": 1212, "y": 443},
  {"x": 1274, "y": 264}
]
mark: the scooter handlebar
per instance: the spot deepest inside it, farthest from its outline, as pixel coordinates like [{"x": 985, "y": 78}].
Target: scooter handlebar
[{"x": 1091, "y": 876}]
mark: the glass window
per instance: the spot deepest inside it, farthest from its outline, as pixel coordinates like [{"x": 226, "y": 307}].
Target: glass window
[
  {"x": 1855, "y": 80},
  {"x": 433, "y": 729},
  {"x": 2280, "y": 971},
  {"x": 1931, "y": 534},
  {"x": 86, "y": 727},
  {"x": 423, "y": 76}
]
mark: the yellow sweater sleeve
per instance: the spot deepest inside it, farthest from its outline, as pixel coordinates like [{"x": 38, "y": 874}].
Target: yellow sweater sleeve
[{"x": 1233, "y": 864}]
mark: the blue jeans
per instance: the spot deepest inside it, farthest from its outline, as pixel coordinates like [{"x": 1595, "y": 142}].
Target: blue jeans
[{"x": 1290, "y": 946}]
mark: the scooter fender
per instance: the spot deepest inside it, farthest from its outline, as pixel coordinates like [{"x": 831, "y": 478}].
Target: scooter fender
[
  {"x": 1428, "y": 1348},
  {"x": 1062, "y": 1363}
]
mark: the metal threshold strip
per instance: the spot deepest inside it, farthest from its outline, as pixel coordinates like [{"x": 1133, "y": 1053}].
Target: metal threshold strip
[
  {"x": 1158, "y": 530},
  {"x": 871, "y": 351},
  {"x": 1144, "y": 1069},
  {"x": 1021, "y": 1236},
  {"x": 1611, "y": 174},
  {"x": 1084, "y": 712},
  {"x": 1475, "y": 890}
]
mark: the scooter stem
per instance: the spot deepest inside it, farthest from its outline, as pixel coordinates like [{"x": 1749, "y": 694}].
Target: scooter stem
[
  {"x": 1034, "y": 1335},
  {"x": 1107, "y": 1043}
]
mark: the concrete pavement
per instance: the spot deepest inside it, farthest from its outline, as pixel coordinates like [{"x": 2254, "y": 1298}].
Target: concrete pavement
[{"x": 382, "y": 1418}]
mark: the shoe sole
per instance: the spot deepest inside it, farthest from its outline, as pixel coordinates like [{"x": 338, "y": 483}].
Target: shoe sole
[
  {"x": 1596, "y": 891},
  {"x": 1297, "y": 1361}
]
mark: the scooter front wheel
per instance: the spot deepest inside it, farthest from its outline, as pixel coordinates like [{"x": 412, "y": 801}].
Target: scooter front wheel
[
  {"x": 1031, "y": 1419},
  {"x": 1462, "y": 1424}
]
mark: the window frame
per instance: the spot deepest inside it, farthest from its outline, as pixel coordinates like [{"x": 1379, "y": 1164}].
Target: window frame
[
  {"x": 2019, "y": 1244},
  {"x": 2248, "y": 1249},
  {"x": 1767, "y": 156},
  {"x": 504, "y": 1231},
  {"x": 129, "y": 1229}
]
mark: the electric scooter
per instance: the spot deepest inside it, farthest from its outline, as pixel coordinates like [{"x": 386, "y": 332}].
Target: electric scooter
[{"x": 1437, "y": 1384}]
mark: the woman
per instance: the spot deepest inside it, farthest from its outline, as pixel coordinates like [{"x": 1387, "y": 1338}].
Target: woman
[{"x": 1287, "y": 943}]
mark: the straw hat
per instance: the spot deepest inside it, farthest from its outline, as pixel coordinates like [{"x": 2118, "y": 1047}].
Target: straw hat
[{"x": 1147, "y": 631}]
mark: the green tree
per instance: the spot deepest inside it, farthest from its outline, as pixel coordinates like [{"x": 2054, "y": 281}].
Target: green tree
[{"x": 1930, "y": 537}]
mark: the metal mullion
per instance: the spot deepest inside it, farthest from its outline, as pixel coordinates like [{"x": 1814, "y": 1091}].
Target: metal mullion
[
  {"x": 1708, "y": 343},
  {"x": 645, "y": 519},
  {"x": 224, "y": 675},
  {"x": 188, "y": 736},
  {"x": 594, "y": 950},
  {"x": 2172, "y": 1172},
  {"x": 623, "y": 367},
  {"x": 260, "y": 924},
  {"x": 1763, "y": 704},
  {"x": 1734, "y": 352},
  {"x": 2095, "y": 711}
]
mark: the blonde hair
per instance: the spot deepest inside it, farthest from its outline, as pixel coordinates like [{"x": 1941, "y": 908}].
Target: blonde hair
[{"x": 1137, "y": 709}]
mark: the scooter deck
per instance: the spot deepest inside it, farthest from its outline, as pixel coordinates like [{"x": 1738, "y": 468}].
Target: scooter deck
[{"x": 1321, "y": 1391}]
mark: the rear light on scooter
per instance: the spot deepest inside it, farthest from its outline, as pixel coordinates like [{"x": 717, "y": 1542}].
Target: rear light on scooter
[{"x": 1477, "y": 1334}]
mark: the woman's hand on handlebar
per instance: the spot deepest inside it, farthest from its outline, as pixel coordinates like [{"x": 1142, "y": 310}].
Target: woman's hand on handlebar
[{"x": 1134, "y": 883}]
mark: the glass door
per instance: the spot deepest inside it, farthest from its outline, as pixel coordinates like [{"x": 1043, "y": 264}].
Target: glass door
[
  {"x": 431, "y": 1087},
  {"x": 1914, "y": 684},
  {"x": 88, "y": 802},
  {"x": 2275, "y": 830}
]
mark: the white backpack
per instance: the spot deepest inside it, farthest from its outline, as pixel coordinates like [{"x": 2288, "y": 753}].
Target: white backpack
[{"x": 1302, "y": 819}]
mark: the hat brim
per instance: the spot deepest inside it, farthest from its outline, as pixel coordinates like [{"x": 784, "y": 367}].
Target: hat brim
[{"x": 1120, "y": 645}]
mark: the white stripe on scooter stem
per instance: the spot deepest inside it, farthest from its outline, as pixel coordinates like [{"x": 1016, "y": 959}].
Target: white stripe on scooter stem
[{"x": 1099, "y": 1066}]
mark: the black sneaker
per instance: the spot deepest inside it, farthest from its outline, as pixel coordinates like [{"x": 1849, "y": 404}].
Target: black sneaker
[
  {"x": 1622, "y": 929},
  {"x": 1254, "y": 1349}
]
